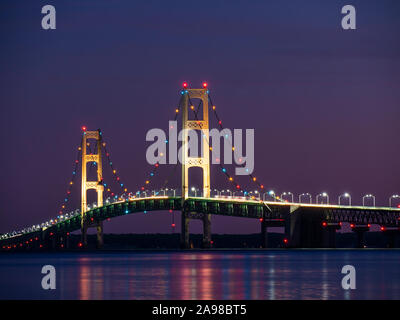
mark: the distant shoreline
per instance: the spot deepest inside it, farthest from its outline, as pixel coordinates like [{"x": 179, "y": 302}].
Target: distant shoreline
[{"x": 220, "y": 242}]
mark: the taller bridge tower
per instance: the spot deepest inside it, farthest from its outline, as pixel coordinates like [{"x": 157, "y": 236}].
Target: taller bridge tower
[{"x": 202, "y": 161}]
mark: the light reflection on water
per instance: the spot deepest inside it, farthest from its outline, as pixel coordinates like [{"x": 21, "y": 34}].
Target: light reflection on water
[{"x": 203, "y": 275}]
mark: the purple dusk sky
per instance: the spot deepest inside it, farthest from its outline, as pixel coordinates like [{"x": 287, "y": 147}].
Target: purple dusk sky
[{"x": 324, "y": 102}]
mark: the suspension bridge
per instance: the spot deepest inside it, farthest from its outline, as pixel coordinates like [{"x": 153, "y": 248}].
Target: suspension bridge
[{"x": 305, "y": 224}]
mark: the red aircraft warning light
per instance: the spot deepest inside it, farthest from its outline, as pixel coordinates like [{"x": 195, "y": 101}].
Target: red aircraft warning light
[
  {"x": 185, "y": 84},
  {"x": 205, "y": 85},
  {"x": 84, "y": 128}
]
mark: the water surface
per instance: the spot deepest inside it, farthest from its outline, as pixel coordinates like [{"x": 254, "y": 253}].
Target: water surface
[{"x": 285, "y": 274}]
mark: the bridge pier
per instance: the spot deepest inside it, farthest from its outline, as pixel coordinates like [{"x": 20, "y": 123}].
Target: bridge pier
[
  {"x": 392, "y": 238},
  {"x": 62, "y": 241},
  {"x": 100, "y": 239},
  {"x": 329, "y": 235},
  {"x": 67, "y": 241},
  {"x": 360, "y": 231},
  {"x": 264, "y": 234},
  {"x": 185, "y": 220},
  {"x": 84, "y": 235},
  {"x": 185, "y": 230},
  {"x": 207, "y": 231},
  {"x": 265, "y": 224},
  {"x": 52, "y": 242},
  {"x": 307, "y": 229},
  {"x": 99, "y": 235}
]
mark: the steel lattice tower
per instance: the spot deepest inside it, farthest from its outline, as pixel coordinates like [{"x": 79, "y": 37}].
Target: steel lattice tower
[{"x": 94, "y": 185}]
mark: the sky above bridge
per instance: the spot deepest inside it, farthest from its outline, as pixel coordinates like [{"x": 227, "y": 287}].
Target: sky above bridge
[{"x": 324, "y": 102}]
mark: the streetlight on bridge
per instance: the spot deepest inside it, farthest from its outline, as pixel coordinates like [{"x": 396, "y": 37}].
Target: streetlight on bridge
[
  {"x": 228, "y": 191},
  {"x": 287, "y": 194},
  {"x": 270, "y": 193},
  {"x": 395, "y": 196},
  {"x": 345, "y": 195},
  {"x": 240, "y": 191},
  {"x": 173, "y": 192},
  {"x": 195, "y": 191},
  {"x": 305, "y": 195},
  {"x": 254, "y": 195},
  {"x": 217, "y": 192},
  {"x": 367, "y": 196},
  {"x": 322, "y": 195}
]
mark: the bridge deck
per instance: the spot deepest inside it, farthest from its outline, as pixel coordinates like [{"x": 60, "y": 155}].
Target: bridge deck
[{"x": 239, "y": 207}]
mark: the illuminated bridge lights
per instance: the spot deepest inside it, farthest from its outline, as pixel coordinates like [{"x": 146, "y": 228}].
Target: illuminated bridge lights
[
  {"x": 360, "y": 225},
  {"x": 231, "y": 206}
]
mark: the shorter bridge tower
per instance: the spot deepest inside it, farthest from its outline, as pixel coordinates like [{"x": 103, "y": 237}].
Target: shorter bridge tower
[{"x": 88, "y": 185}]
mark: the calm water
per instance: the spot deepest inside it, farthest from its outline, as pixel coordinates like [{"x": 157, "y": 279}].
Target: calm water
[{"x": 202, "y": 275}]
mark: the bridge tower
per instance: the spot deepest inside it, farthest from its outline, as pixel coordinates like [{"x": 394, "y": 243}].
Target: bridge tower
[
  {"x": 88, "y": 185},
  {"x": 202, "y": 161}
]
